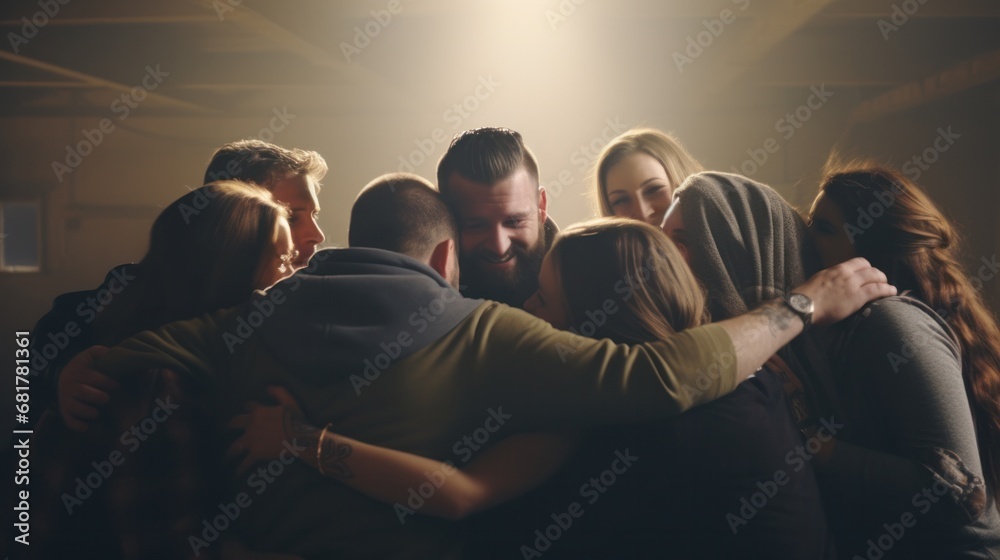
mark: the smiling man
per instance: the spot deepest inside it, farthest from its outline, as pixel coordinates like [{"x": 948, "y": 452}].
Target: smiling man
[{"x": 489, "y": 178}]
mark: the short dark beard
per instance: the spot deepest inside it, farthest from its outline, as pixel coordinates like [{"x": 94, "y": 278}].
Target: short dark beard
[{"x": 512, "y": 289}]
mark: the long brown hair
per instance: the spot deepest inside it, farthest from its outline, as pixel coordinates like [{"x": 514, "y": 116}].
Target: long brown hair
[
  {"x": 204, "y": 253},
  {"x": 641, "y": 290},
  {"x": 918, "y": 249},
  {"x": 677, "y": 162}
]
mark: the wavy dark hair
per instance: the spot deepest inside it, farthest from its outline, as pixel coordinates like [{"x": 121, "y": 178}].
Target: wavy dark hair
[
  {"x": 918, "y": 249},
  {"x": 205, "y": 251}
]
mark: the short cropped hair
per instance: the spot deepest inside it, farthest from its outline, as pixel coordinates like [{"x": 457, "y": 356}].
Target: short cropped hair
[
  {"x": 403, "y": 213},
  {"x": 263, "y": 163},
  {"x": 485, "y": 156}
]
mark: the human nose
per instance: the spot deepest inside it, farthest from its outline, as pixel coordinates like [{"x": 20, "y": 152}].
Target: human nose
[
  {"x": 315, "y": 234},
  {"x": 498, "y": 242},
  {"x": 647, "y": 211}
]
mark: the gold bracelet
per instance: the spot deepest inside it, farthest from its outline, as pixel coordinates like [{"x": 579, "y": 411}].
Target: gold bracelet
[{"x": 319, "y": 449}]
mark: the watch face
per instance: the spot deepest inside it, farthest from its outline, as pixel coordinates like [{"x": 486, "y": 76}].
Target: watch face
[{"x": 800, "y": 303}]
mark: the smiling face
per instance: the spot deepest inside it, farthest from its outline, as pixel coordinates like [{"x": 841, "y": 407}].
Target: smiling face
[
  {"x": 638, "y": 188},
  {"x": 827, "y": 225},
  {"x": 276, "y": 263},
  {"x": 549, "y": 300},
  {"x": 298, "y": 192},
  {"x": 501, "y": 234}
]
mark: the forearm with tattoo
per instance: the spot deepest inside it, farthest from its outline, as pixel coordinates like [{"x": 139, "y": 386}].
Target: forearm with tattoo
[
  {"x": 777, "y": 316},
  {"x": 331, "y": 458},
  {"x": 750, "y": 334}
]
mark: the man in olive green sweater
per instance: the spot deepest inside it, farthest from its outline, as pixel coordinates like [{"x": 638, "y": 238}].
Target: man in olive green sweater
[{"x": 377, "y": 341}]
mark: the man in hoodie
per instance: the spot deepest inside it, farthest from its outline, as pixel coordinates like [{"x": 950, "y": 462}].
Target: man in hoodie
[{"x": 377, "y": 342}]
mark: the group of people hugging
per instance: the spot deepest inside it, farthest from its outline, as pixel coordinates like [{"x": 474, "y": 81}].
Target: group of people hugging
[{"x": 702, "y": 371}]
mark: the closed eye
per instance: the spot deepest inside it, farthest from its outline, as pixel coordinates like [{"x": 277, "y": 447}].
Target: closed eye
[{"x": 822, "y": 226}]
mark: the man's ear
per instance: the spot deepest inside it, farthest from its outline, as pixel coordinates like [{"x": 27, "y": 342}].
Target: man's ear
[
  {"x": 543, "y": 204},
  {"x": 442, "y": 257}
]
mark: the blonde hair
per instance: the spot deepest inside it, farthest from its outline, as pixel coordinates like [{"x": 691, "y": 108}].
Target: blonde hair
[{"x": 678, "y": 163}]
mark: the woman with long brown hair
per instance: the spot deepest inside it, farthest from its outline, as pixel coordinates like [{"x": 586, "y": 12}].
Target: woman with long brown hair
[
  {"x": 208, "y": 250},
  {"x": 920, "y": 375}
]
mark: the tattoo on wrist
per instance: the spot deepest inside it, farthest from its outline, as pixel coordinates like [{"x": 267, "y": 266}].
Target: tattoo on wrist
[
  {"x": 332, "y": 454},
  {"x": 778, "y": 317}
]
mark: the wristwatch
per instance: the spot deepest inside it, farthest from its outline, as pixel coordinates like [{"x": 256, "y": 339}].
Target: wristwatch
[{"x": 802, "y": 306}]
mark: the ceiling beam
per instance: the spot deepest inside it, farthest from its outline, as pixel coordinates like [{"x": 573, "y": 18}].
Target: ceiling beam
[
  {"x": 866, "y": 9},
  {"x": 97, "y": 81},
  {"x": 46, "y": 85},
  {"x": 976, "y": 71},
  {"x": 747, "y": 44},
  {"x": 864, "y": 61},
  {"x": 119, "y": 20},
  {"x": 254, "y": 22}
]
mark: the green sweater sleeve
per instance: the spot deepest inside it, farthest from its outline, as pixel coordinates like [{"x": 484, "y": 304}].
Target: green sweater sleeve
[
  {"x": 195, "y": 348},
  {"x": 551, "y": 377}
]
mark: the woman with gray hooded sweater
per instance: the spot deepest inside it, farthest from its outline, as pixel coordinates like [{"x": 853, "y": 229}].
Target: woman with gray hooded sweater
[{"x": 902, "y": 472}]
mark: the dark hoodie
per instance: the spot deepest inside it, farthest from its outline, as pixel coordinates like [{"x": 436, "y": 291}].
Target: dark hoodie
[{"x": 380, "y": 346}]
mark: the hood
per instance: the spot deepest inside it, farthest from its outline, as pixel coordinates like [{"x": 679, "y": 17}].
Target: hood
[{"x": 353, "y": 309}]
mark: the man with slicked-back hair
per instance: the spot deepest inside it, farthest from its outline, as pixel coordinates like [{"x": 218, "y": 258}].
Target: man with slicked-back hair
[{"x": 489, "y": 178}]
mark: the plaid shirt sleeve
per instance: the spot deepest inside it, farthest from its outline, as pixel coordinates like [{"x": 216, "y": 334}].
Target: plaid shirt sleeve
[{"x": 161, "y": 491}]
